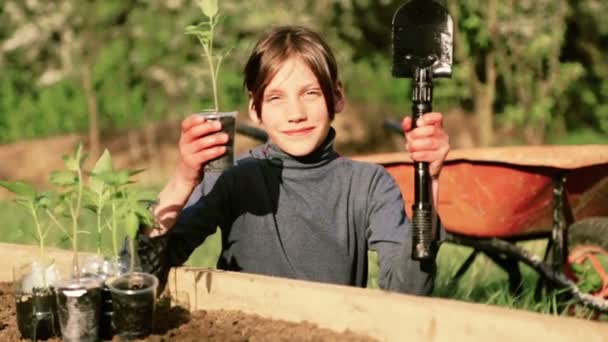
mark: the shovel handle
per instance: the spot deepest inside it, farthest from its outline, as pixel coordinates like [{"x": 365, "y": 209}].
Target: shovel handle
[{"x": 422, "y": 209}]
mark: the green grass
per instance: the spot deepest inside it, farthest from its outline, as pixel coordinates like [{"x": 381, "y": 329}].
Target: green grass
[
  {"x": 584, "y": 136},
  {"x": 484, "y": 282}
]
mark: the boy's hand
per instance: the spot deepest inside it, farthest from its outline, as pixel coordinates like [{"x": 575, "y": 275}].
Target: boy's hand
[
  {"x": 428, "y": 142},
  {"x": 200, "y": 141}
]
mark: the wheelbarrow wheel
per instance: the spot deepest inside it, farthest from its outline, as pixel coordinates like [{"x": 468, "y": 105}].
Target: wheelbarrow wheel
[
  {"x": 587, "y": 240},
  {"x": 592, "y": 231}
]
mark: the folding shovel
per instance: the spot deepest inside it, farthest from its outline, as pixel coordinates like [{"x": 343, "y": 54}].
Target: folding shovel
[{"x": 422, "y": 49}]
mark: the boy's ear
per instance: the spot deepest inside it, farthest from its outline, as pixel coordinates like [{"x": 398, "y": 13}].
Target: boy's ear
[
  {"x": 340, "y": 98},
  {"x": 253, "y": 113}
]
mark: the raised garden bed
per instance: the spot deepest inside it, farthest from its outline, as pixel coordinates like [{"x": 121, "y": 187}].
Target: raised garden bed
[
  {"x": 233, "y": 306},
  {"x": 175, "y": 323}
]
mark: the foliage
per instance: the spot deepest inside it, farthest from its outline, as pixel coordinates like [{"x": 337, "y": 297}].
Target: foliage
[
  {"x": 35, "y": 203},
  {"x": 551, "y": 74},
  {"x": 107, "y": 191},
  {"x": 104, "y": 191},
  {"x": 204, "y": 32}
]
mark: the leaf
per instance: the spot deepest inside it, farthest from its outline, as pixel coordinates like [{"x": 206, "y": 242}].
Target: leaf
[
  {"x": 103, "y": 164},
  {"x": 209, "y": 7},
  {"x": 43, "y": 201},
  {"x": 71, "y": 163},
  {"x": 135, "y": 172},
  {"x": 146, "y": 196},
  {"x": 132, "y": 225},
  {"x": 145, "y": 216},
  {"x": 19, "y": 188},
  {"x": 60, "y": 209},
  {"x": 63, "y": 178}
]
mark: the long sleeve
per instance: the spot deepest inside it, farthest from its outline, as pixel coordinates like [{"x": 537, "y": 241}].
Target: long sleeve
[
  {"x": 389, "y": 234},
  {"x": 194, "y": 224}
]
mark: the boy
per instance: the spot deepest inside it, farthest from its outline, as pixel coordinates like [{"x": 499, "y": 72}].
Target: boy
[{"x": 293, "y": 207}]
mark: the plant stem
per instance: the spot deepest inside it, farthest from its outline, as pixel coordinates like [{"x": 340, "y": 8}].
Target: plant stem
[
  {"x": 209, "y": 53},
  {"x": 58, "y": 224},
  {"x": 132, "y": 260},
  {"x": 75, "y": 215},
  {"x": 114, "y": 233},
  {"x": 39, "y": 230},
  {"x": 213, "y": 80},
  {"x": 99, "y": 212}
]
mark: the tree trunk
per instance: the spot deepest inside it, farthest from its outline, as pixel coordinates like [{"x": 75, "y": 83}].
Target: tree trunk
[
  {"x": 484, "y": 93},
  {"x": 484, "y": 103},
  {"x": 87, "y": 84}
]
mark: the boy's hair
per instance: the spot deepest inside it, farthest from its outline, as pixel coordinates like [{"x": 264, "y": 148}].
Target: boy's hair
[{"x": 282, "y": 43}]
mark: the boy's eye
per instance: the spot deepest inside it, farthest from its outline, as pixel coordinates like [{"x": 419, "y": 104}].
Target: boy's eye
[
  {"x": 312, "y": 93},
  {"x": 271, "y": 98}
]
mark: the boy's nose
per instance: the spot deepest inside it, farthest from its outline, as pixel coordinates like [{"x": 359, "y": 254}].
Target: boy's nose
[{"x": 297, "y": 112}]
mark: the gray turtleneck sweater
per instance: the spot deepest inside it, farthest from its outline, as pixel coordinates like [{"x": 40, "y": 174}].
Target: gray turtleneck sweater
[{"x": 311, "y": 218}]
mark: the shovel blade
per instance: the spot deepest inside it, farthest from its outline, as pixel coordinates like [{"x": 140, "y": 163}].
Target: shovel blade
[{"x": 422, "y": 37}]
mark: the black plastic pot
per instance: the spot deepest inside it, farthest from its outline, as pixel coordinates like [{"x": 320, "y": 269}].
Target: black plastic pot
[
  {"x": 78, "y": 306},
  {"x": 134, "y": 303},
  {"x": 37, "y": 314},
  {"x": 226, "y": 161}
]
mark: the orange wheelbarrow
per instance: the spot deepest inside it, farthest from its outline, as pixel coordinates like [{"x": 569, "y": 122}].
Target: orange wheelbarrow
[{"x": 491, "y": 198}]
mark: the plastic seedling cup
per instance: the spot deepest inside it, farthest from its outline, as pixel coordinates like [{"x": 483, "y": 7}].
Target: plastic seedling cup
[
  {"x": 103, "y": 268},
  {"x": 78, "y": 306},
  {"x": 35, "y": 300},
  {"x": 134, "y": 304}
]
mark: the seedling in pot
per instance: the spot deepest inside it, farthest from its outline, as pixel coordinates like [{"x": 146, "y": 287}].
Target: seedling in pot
[
  {"x": 117, "y": 205},
  {"x": 133, "y": 293},
  {"x": 204, "y": 31},
  {"x": 111, "y": 201},
  {"x": 34, "y": 291}
]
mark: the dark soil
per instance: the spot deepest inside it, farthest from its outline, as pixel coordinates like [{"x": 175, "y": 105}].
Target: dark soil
[{"x": 177, "y": 324}]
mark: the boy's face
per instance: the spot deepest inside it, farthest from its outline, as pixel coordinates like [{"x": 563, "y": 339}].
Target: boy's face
[{"x": 294, "y": 112}]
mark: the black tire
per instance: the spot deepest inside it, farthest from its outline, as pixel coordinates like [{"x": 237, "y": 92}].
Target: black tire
[{"x": 589, "y": 231}]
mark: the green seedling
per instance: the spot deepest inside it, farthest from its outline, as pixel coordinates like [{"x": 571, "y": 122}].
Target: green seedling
[
  {"x": 35, "y": 203},
  {"x": 108, "y": 188},
  {"x": 204, "y": 31},
  {"x": 70, "y": 200}
]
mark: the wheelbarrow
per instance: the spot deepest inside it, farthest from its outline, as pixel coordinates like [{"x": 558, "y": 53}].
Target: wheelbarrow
[{"x": 492, "y": 198}]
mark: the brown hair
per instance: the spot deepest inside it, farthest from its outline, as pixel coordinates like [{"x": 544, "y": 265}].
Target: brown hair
[{"x": 282, "y": 43}]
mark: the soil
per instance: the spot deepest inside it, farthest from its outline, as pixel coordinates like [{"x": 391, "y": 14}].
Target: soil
[{"x": 175, "y": 323}]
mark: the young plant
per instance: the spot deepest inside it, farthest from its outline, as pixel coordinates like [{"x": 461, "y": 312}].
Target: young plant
[
  {"x": 70, "y": 203},
  {"x": 204, "y": 31},
  {"x": 35, "y": 203},
  {"x": 98, "y": 194},
  {"x": 109, "y": 187}
]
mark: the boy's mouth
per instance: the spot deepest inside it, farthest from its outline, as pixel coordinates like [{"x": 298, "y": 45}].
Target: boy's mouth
[{"x": 298, "y": 131}]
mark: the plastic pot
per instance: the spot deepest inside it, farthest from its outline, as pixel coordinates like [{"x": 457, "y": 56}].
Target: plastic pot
[
  {"x": 35, "y": 300},
  {"x": 103, "y": 268},
  {"x": 134, "y": 304},
  {"x": 78, "y": 306}
]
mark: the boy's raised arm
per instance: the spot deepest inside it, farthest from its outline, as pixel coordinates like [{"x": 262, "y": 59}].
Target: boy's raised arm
[{"x": 200, "y": 141}]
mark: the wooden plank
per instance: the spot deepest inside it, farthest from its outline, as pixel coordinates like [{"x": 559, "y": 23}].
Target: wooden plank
[{"x": 379, "y": 314}]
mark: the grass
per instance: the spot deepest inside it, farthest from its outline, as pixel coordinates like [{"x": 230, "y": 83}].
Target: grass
[{"x": 484, "y": 282}]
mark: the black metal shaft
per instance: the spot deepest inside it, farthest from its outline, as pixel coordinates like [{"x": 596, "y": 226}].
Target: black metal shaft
[{"x": 422, "y": 209}]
